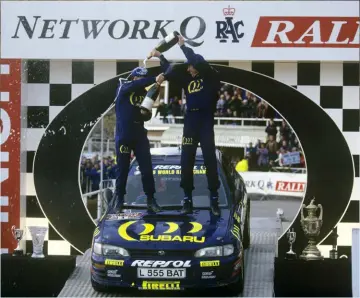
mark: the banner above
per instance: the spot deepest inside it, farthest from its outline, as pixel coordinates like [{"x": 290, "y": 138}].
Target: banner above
[{"x": 122, "y": 30}]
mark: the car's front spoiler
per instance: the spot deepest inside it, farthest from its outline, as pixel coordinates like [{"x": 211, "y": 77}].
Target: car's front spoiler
[{"x": 225, "y": 271}]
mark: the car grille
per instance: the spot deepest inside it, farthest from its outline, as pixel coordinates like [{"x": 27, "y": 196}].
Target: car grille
[{"x": 155, "y": 253}]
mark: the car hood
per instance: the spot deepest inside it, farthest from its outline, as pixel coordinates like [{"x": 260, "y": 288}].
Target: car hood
[{"x": 166, "y": 230}]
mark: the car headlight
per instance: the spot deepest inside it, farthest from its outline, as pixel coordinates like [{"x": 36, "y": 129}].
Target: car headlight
[
  {"x": 109, "y": 250},
  {"x": 215, "y": 251}
]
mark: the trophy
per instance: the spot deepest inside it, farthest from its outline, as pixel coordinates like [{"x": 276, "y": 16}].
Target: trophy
[
  {"x": 291, "y": 235},
  {"x": 38, "y": 237},
  {"x": 17, "y": 234},
  {"x": 333, "y": 252},
  {"x": 311, "y": 226}
]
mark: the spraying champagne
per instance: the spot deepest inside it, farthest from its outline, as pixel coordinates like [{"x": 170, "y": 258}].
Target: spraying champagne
[
  {"x": 148, "y": 102},
  {"x": 167, "y": 43}
]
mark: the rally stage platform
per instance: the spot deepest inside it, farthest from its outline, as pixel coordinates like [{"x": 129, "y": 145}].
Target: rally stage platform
[{"x": 259, "y": 268}]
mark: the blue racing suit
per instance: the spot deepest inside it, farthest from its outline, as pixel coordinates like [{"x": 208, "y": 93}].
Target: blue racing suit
[
  {"x": 131, "y": 135},
  {"x": 201, "y": 97}
]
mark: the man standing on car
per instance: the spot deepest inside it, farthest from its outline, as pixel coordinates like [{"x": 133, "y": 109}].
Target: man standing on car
[
  {"x": 201, "y": 84},
  {"x": 131, "y": 135}
]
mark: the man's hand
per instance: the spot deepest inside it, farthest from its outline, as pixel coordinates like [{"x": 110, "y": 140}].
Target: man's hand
[
  {"x": 155, "y": 53},
  {"x": 160, "y": 78},
  {"x": 181, "y": 40}
]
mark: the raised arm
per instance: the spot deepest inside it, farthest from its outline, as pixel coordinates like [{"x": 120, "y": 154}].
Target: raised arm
[
  {"x": 134, "y": 85},
  {"x": 171, "y": 71},
  {"x": 198, "y": 61}
]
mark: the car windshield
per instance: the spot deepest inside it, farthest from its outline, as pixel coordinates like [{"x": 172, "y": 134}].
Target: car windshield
[{"x": 167, "y": 184}]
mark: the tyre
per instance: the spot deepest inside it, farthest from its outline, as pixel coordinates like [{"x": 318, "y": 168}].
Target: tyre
[
  {"x": 235, "y": 289},
  {"x": 246, "y": 242},
  {"x": 97, "y": 287}
]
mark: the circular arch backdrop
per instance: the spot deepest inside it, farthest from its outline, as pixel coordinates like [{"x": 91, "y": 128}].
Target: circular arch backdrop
[{"x": 58, "y": 190}]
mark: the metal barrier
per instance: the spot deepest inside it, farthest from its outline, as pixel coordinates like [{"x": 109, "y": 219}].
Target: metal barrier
[
  {"x": 101, "y": 201},
  {"x": 179, "y": 120}
]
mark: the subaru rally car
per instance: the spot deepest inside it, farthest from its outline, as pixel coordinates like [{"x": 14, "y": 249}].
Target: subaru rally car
[{"x": 169, "y": 250}]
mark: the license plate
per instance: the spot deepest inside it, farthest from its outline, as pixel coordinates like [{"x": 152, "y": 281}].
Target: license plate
[{"x": 161, "y": 273}]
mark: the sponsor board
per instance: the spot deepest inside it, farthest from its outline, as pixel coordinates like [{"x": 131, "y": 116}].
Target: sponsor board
[
  {"x": 286, "y": 30},
  {"x": 114, "y": 262},
  {"x": 160, "y": 285},
  {"x": 290, "y": 186},
  {"x": 209, "y": 263},
  {"x": 160, "y": 264},
  {"x": 273, "y": 183},
  {"x": 173, "y": 227}
]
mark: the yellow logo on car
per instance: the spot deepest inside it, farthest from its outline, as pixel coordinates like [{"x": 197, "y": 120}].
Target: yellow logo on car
[
  {"x": 114, "y": 262},
  {"x": 172, "y": 227},
  {"x": 160, "y": 285},
  {"x": 210, "y": 264}
]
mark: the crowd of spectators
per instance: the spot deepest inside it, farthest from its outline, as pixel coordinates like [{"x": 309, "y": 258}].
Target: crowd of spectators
[
  {"x": 90, "y": 172},
  {"x": 269, "y": 154},
  {"x": 232, "y": 102}
]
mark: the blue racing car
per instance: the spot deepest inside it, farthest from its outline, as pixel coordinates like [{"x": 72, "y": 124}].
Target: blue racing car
[{"x": 169, "y": 250}]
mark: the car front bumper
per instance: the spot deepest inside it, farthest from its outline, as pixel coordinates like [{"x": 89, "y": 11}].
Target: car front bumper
[{"x": 204, "y": 273}]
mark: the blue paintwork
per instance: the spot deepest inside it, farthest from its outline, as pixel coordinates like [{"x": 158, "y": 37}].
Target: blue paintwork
[{"x": 215, "y": 230}]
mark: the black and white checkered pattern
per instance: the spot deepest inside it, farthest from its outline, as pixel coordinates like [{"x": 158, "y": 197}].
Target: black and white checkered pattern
[{"x": 49, "y": 85}]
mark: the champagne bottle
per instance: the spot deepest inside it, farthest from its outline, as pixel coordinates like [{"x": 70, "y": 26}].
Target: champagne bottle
[
  {"x": 148, "y": 102},
  {"x": 167, "y": 43}
]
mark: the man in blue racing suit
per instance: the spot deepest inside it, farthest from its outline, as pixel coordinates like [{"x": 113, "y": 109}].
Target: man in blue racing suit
[
  {"x": 201, "y": 84},
  {"x": 131, "y": 135}
]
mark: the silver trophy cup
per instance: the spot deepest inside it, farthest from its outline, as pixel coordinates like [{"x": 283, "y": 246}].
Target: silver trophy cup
[
  {"x": 18, "y": 235},
  {"x": 38, "y": 237},
  {"x": 291, "y": 235}
]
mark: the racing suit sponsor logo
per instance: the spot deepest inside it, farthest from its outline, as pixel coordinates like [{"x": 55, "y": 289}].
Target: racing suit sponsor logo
[
  {"x": 208, "y": 275},
  {"x": 113, "y": 273},
  {"x": 160, "y": 285},
  {"x": 160, "y": 264},
  {"x": 187, "y": 141},
  {"x": 195, "y": 86},
  {"x": 124, "y": 149},
  {"x": 173, "y": 227},
  {"x": 114, "y": 262},
  {"x": 209, "y": 263}
]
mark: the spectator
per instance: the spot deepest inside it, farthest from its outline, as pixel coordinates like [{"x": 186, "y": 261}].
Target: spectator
[
  {"x": 251, "y": 153},
  {"x": 279, "y": 160},
  {"x": 272, "y": 147},
  {"x": 263, "y": 154},
  {"x": 285, "y": 131},
  {"x": 284, "y": 145},
  {"x": 162, "y": 109},
  {"x": 220, "y": 106},
  {"x": 261, "y": 109},
  {"x": 176, "y": 109},
  {"x": 271, "y": 129},
  {"x": 242, "y": 165}
]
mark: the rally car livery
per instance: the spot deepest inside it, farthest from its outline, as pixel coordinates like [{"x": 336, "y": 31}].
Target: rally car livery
[{"x": 170, "y": 250}]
